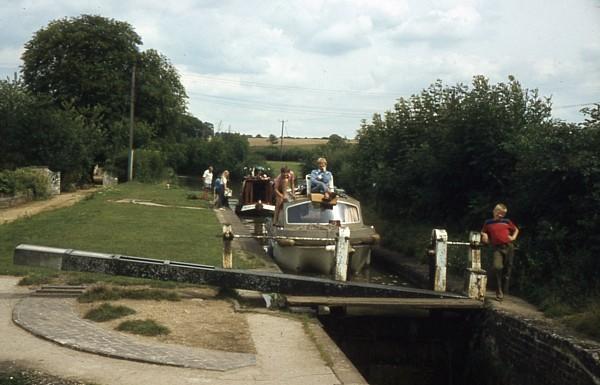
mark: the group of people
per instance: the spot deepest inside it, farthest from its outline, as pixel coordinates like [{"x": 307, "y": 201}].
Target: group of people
[
  {"x": 222, "y": 191},
  {"x": 321, "y": 181},
  {"x": 498, "y": 231},
  {"x": 284, "y": 185}
]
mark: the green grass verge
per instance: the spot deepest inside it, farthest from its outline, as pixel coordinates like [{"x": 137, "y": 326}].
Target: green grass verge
[
  {"x": 146, "y": 327},
  {"x": 102, "y": 224},
  {"x": 108, "y": 312},
  {"x": 105, "y": 293},
  {"x": 296, "y": 167}
]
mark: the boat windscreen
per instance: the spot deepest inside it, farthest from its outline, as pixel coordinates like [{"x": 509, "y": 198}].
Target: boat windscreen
[{"x": 309, "y": 213}]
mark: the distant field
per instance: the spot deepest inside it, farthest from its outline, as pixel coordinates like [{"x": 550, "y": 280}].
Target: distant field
[
  {"x": 287, "y": 142},
  {"x": 276, "y": 166}
]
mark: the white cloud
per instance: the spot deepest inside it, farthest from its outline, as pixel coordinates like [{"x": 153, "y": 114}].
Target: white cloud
[
  {"x": 439, "y": 26},
  {"x": 252, "y": 63},
  {"x": 341, "y": 37}
]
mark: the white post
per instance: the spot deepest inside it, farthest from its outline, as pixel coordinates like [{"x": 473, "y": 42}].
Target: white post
[
  {"x": 475, "y": 250},
  {"x": 439, "y": 238},
  {"x": 227, "y": 249},
  {"x": 341, "y": 253},
  {"x": 475, "y": 276}
]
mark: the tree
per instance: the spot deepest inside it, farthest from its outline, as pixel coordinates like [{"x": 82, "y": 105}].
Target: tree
[
  {"x": 336, "y": 140},
  {"x": 86, "y": 61},
  {"x": 36, "y": 132},
  {"x": 447, "y": 142},
  {"x": 192, "y": 127},
  {"x": 161, "y": 98}
]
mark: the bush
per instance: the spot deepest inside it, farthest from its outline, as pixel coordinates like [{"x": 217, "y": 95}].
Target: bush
[
  {"x": 7, "y": 183},
  {"x": 106, "y": 293},
  {"x": 25, "y": 179},
  {"x": 149, "y": 166},
  {"x": 34, "y": 180}
]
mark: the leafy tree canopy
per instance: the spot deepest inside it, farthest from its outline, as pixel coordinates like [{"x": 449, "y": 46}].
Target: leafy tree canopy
[
  {"x": 85, "y": 60},
  {"x": 34, "y": 131}
]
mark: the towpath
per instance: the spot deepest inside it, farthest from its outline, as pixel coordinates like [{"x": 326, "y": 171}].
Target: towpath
[{"x": 287, "y": 351}]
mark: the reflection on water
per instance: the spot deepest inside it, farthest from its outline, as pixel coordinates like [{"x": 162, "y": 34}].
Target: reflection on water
[{"x": 370, "y": 274}]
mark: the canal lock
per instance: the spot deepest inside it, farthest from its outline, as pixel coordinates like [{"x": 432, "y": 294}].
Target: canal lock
[{"x": 410, "y": 347}]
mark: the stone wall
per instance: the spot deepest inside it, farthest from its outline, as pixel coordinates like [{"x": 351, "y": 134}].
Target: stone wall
[{"x": 509, "y": 349}]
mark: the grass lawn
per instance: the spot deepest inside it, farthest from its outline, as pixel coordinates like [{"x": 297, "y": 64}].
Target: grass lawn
[{"x": 102, "y": 224}]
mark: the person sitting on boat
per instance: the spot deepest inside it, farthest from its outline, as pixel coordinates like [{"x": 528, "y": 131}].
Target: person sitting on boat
[
  {"x": 283, "y": 190},
  {"x": 321, "y": 180}
]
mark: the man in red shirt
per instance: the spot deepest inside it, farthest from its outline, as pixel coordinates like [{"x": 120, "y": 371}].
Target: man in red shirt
[{"x": 500, "y": 232}]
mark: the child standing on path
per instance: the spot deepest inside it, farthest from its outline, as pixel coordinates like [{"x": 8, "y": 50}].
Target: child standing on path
[{"x": 500, "y": 232}]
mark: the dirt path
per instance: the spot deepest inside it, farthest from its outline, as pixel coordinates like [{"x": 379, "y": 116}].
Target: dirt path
[{"x": 36, "y": 207}]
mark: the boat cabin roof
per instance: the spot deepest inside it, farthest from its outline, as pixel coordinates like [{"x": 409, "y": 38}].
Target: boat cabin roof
[{"x": 305, "y": 211}]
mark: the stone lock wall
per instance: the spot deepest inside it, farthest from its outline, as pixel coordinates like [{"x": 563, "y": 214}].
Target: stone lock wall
[{"x": 519, "y": 350}]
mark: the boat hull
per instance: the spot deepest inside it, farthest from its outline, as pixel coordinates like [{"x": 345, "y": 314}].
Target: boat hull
[
  {"x": 303, "y": 237},
  {"x": 320, "y": 259}
]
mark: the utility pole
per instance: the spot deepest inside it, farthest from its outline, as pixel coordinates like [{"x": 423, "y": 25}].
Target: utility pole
[
  {"x": 281, "y": 142},
  {"x": 131, "y": 107}
]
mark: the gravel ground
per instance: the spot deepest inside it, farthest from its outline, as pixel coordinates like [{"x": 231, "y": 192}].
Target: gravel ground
[{"x": 12, "y": 373}]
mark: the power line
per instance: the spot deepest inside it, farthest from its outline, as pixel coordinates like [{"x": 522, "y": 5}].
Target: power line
[
  {"x": 574, "y": 105},
  {"x": 279, "y": 107},
  {"x": 237, "y": 83}
]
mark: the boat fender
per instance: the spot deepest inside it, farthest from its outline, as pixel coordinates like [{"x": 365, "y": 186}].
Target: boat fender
[{"x": 286, "y": 242}]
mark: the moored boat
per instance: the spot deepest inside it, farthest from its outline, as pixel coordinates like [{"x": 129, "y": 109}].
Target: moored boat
[
  {"x": 257, "y": 194},
  {"x": 302, "y": 239}
]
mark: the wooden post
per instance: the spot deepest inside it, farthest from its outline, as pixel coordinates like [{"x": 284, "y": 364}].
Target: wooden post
[
  {"x": 475, "y": 276},
  {"x": 341, "y": 253},
  {"x": 439, "y": 239},
  {"x": 227, "y": 249}
]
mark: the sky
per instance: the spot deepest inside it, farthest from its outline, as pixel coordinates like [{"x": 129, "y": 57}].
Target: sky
[{"x": 312, "y": 68}]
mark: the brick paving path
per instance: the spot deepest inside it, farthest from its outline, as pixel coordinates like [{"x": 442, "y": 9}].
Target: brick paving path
[{"x": 55, "y": 319}]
